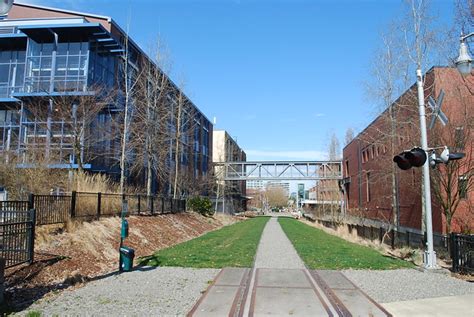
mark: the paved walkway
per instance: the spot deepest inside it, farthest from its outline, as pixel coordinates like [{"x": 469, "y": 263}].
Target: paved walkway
[{"x": 280, "y": 285}]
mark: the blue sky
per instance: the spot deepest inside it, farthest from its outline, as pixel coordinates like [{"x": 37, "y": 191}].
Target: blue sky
[{"x": 279, "y": 76}]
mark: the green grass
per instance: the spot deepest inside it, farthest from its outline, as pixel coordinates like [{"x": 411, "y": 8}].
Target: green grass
[
  {"x": 231, "y": 246},
  {"x": 320, "y": 250}
]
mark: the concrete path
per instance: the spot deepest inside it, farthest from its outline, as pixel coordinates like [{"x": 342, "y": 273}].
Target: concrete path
[
  {"x": 280, "y": 285},
  {"x": 462, "y": 305}
]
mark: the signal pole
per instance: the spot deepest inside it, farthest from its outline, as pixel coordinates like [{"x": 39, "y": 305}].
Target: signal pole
[{"x": 430, "y": 254}]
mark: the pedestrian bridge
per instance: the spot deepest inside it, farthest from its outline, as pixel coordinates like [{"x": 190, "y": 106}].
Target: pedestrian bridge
[{"x": 279, "y": 170}]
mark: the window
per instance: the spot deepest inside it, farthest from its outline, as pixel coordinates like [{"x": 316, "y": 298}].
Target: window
[
  {"x": 459, "y": 138},
  {"x": 347, "y": 168},
  {"x": 70, "y": 73},
  {"x": 462, "y": 186},
  {"x": 367, "y": 183}
]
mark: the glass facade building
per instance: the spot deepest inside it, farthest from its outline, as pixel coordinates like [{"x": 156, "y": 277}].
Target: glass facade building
[{"x": 44, "y": 58}]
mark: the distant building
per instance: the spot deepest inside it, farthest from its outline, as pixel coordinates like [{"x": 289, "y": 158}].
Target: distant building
[
  {"x": 255, "y": 184},
  {"x": 226, "y": 149}
]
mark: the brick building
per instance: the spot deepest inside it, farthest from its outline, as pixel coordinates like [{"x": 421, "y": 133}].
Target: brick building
[{"x": 373, "y": 185}]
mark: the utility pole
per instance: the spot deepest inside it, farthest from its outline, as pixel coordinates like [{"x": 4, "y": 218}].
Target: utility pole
[{"x": 430, "y": 254}]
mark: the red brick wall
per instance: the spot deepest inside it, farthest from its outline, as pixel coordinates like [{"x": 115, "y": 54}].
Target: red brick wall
[{"x": 377, "y": 160}]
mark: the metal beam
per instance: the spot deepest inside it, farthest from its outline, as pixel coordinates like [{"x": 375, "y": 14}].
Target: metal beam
[{"x": 279, "y": 170}]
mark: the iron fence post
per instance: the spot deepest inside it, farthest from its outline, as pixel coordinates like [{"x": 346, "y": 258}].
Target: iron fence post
[
  {"x": 31, "y": 201},
  {"x": 392, "y": 243},
  {"x": 31, "y": 250},
  {"x": 99, "y": 204},
  {"x": 152, "y": 204},
  {"x": 73, "y": 204},
  {"x": 138, "y": 197}
]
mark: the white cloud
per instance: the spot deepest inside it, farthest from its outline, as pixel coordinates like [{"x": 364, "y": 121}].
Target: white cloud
[
  {"x": 319, "y": 115},
  {"x": 286, "y": 155}
]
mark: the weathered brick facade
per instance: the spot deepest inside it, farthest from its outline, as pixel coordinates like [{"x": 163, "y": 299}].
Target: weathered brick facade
[{"x": 368, "y": 165}]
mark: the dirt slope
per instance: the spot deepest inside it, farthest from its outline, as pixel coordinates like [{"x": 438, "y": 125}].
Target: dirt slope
[{"x": 84, "y": 251}]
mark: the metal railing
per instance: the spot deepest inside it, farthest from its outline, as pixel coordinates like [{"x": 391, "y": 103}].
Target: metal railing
[
  {"x": 17, "y": 232},
  {"x": 462, "y": 253}
]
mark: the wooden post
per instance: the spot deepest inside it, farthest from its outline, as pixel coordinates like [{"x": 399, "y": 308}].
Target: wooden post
[{"x": 99, "y": 203}]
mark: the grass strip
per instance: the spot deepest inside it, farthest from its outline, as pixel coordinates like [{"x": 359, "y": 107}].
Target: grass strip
[
  {"x": 231, "y": 246},
  {"x": 320, "y": 250}
]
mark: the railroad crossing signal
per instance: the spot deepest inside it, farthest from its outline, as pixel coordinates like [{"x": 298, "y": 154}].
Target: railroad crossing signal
[
  {"x": 416, "y": 157},
  {"x": 436, "y": 110}
]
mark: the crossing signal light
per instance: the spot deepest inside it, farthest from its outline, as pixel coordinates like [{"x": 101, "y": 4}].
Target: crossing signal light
[{"x": 416, "y": 157}]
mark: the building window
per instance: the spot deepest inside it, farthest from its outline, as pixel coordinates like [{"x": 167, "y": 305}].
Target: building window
[
  {"x": 459, "y": 138},
  {"x": 12, "y": 71},
  {"x": 347, "y": 167},
  {"x": 367, "y": 183},
  {"x": 71, "y": 65},
  {"x": 462, "y": 186}
]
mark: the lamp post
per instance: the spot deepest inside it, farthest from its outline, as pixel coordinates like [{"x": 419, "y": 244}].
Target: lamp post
[{"x": 464, "y": 61}]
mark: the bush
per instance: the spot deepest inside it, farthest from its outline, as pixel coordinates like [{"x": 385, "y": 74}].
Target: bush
[{"x": 202, "y": 205}]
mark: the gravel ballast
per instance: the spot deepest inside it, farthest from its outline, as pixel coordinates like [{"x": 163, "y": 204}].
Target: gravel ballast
[
  {"x": 157, "y": 291},
  {"x": 275, "y": 249},
  {"x": 407, "y": 284}
]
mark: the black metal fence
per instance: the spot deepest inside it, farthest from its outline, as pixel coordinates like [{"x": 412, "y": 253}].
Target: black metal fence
[
  {"x": 54, "y": 209},
  {"x": 462, "y": 253},
  {"x": 17, "y": 231},
  {"x": 391, "y": 237}
]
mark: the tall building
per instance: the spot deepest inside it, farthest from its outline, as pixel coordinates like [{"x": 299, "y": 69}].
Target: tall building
[
  {"x": 375, "y": 188},
  {"x": 256, "y": 184},
  {"x": 226, "y": 149},
  {"x": 57, "y": 66}
]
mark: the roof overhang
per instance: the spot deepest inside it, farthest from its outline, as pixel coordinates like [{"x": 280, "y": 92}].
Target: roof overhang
[
  {"x": 80, "y": 32},
  {"x": 13, "y": 40}
]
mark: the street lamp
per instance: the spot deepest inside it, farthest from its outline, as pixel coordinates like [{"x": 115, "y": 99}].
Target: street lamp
[{"x": 464, "y": 61}]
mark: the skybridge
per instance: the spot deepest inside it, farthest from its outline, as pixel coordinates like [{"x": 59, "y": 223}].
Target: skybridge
[{"x": 279, "y": 170}]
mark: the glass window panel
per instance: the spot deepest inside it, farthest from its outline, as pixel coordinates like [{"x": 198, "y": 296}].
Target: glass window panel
[
  {"x": 83, "y": 64},
  {"x": 61, "y": 65},
  {"x": 4, "y": 73},
  {"x": 34, "y": 48},
  {"x": 5, "y": 56},
  {"x": 62, "y": 48},
  {"x": 46, "y": 63},
  {"x": 21, "y": 56},
  {"x": 47, "y": 49},
  {"x": 74, "y": 48}
]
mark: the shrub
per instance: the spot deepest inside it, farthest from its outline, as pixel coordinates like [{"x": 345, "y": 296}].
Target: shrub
[{"x": 202, "y": 205}]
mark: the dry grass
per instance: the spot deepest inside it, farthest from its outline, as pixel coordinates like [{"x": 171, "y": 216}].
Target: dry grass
[
  {"x": 342, "y": 231},
  {"x": 225, "y": 219}
]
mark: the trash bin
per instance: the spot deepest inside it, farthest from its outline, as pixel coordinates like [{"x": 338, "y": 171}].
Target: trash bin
[{"x": 126, "y": 259}]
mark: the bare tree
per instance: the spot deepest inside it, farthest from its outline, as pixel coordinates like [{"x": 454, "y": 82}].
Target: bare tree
[
  {"x": 334, "y": 149},
  {"x": 349, "y": 136},
  {"x": 276, "y": 197}
]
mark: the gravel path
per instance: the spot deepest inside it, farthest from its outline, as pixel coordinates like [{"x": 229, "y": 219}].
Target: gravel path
[
  {"x": 275, "y": 250},
  {"x": 407, "y": 284},
  {"x": 158, "y": 291}
]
